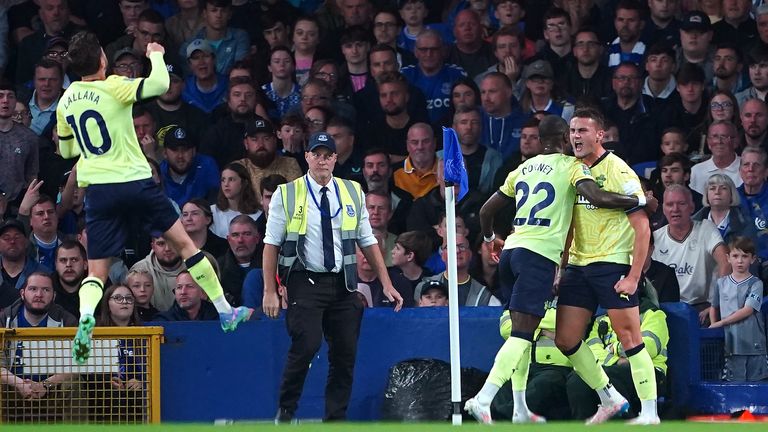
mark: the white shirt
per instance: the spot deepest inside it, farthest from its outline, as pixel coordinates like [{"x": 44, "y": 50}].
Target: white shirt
[
  {"x": 222, "y": 218},
  {"x": 701, "y": 172},
  {"x": 313, "y": 242}
]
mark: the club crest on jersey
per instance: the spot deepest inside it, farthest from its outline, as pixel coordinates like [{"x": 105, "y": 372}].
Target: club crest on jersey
[
  {"x": 600, "y": 180},
  {"x": 446, "y": 88},
  {"x": 350, "y": 210}
]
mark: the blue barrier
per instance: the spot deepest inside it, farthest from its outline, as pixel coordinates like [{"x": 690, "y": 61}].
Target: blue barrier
[{"x": 208, "y": 375}]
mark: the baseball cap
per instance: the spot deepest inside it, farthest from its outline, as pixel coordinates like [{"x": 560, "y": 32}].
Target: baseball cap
[
  {"x": 540, "y": 68},
  {"x": 121, "y": 52},
  {"x": 174, "y": 69},
  {"x": 12, "y": 223},
  {"x": 199, "y": 44},
  {"x": 696, "y": 20},
  {"x": 57, "y": 41},
  {"x": 761, "y": 10},
  {"x": 259, "y": 126},
  {"x": 434, "y": 284},
  {"x": 176, "y": 138},
  {"x": 321, "y": 139}
]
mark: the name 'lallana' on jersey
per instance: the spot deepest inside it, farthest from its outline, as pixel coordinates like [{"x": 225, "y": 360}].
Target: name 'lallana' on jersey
[
  {"x": 82, "y": 95},
  {"x": 540, "y": 167}
]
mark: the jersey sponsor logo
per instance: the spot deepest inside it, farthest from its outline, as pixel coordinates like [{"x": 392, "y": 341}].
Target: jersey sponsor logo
[
  {"x": 683, "y": 269},
  {"x": 760, "y": 223},
  {"x": 583, "y": 201},
  {"x": 438, "y": 103}
]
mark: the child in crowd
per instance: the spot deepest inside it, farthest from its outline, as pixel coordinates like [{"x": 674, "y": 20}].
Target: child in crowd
[
  {"x": 435, "y": 293},
  {"x": 736, "y": 304},
  {"x": 411, "y": 251},
  {"x": 413, "y": 13}
]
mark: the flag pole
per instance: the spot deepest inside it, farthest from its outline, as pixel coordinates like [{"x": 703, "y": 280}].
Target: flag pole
[{"x": 453, "y": 303}]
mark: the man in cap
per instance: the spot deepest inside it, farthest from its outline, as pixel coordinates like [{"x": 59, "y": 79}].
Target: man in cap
[
  {"x": 261, "y": 158},
  {"x": 320, "y": 220},
  {"x": 169, "y": 109},
  {"x": 15, "y": 264},
  {"x": 186, "y": 174},
  {"x": 695, "y": 38},
  {"x": 128, "y": 63},
  {"x": 205, "y": 88}
]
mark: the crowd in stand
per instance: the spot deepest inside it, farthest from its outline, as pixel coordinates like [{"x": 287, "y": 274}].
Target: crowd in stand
[{"x": 682, "y": 83}]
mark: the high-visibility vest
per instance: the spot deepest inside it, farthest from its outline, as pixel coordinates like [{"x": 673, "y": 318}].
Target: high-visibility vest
[{"x": 294, "y": 196}]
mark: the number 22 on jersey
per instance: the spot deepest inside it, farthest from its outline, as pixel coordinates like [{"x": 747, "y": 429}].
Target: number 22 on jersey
[{"x": 532, "y": 201}]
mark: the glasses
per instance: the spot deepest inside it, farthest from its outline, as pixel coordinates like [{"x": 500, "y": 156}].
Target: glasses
[
  {"x": 718, "y": 137},
  {"x": 557, "y": 26},
  {"x": 121, "y": 299},
  {"x": 314, "y": 122},
  {"x": 325, "y": 75},
  {"x": 721, "y": 105},
  {"x": 624, "y": 78},
  {"x": 311, "y": 99},
  {"x": 56, "y": 54},
  {"x": 459, "y": 248},
  {"x": 322, "y": 157},
  {"x": 20, "y": 115},
  {"x": 380, "y": 25},
  {"x": 125, "y": 67}
]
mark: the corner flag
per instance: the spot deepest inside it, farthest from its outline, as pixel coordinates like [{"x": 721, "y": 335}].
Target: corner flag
[{"x": 455, "y": 171}]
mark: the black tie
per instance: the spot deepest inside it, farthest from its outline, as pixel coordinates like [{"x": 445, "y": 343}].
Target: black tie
[{"x": 329, "y": 259}]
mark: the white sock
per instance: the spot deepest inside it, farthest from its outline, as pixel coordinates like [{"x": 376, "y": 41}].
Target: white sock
[
  {"x": 609, "y": 395},
  {"x": 487, "y": 393},
  {"x": 222, "y": 305},
  {"x": 521, "y": 406},
  {"x": 648, "y": 408}
]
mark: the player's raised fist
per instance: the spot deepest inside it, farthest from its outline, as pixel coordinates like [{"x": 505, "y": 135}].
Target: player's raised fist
[{"x": 155, "y": 47}]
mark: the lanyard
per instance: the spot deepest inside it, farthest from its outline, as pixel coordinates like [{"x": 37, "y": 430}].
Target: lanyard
[{"x": 322, "y": 213}]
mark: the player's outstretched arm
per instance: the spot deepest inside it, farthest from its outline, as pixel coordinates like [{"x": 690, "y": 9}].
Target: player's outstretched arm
[
  {"x": 158, "y": 80},
  {"x": 600, "y": 198}
]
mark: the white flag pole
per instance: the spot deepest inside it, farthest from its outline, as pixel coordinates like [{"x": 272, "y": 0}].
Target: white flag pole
[{"x": 453, "y": 303}]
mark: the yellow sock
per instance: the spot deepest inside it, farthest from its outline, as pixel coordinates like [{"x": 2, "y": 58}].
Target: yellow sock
[
  {"x": 586, "y": 367},
  {"x": 643, "y": 374},
  {"x": 510, "y": 355},
  {"x": 202, "y": 271},
  {"x": 91, "y": 289},
  {"x": 520, "y": 374}
]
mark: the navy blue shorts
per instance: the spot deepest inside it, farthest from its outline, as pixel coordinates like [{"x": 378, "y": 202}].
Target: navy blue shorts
[
  {"x": 110, "y": 208},
  {"x": 526, "y": 279},
  {"x": 592, "y": 285}
]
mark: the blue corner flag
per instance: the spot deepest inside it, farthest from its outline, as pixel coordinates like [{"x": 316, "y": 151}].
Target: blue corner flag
[{"x": 455, "y": 171}]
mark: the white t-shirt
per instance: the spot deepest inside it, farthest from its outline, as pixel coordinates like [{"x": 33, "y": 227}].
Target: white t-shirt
[
  {"x": 222, "y": 218},
  {"x": 691, "y": 259}
]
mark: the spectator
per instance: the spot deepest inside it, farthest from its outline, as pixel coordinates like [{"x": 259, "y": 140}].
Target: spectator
[
  {"x": 377, "y": 172},
  {"x": 501, "y": 123},
  {"x": 355, "y": 45},
  {"x": 753, "y": 195},
  {"x": 737, "y": 298},
  {"x": 587, "y": 79},
  {"x": 306, "y": 39},
  {"x": 470, "y": 52},
  {"x": 262, "y": 159},
  {"x": 21, "y": 114},
  {"x": 660, "y": 85},
  {"x": 386, "y": 26},
  {"x": 411, "y": 251},
  {"x": 695, "y": 37},
  {"x": 418, "y": 173},
  {"x": 540, "y": 94},
  {"x": 35, "y": 308},
  {"x": 190, "y": 302},
  {"x": 44, "y": 225},
  {"x": 662, "y": 277},
  {"x": 757, "y": 61},
  {"x": 432, "y": 75},
  {"x": 196, "y": 217},
  {"x": 54, "y": 21},
  {"x": 728, "y": 64},
  {"x": 661, "y": 25},
  {"x": 236, "y": 196},
  {"x": 722, "y": 141},
  {"x": 284, "y": 93},
  {"x": 366, "y": 275},
  {"x": 142, "y": 287},
  {"x": 71, "y": 268},
  {"x": 508, "y": 45},
  {"x": 224, "y": 140},
  {"x": 464, "y": 92},
  {"x": 694, "y": 265},
  {"x": 292, "y": 133},
  {"x": 722, "y": 207},
  {"x": 628, "y": 23},
  {"x": 148, "y": 27},
  {"x": 674, "y": 168},
  {"x": 414, "y": 14},
  {"x": 379, "y": 206},
  {"x": 691, "y": 108},
  {"x": 754, "y": 120},
  {"x": 349, "y": 155},
  {"x": 185, "y": 173},
  {"x": 171, "y": 109},
  {"x": 394, "y": 127},
  {"x": 275, "y": 29},
  {"x": 127, "y": 63},
  {"x": 557, "y": 34},
  {"x": 231, "y": 44},
  {"x": 471, "y": 292},
  {"x": 737, "y": 25},
  {"x": 164, "y": 264},
  {"x": 186, "y": 23},
  {"x": 243, "y": 255},
  {"x": 205, "y": 89},
  {"x": 267, "y": 187},
  {"x": 18, "y": 147},
  {"x": 45, "y": 97},
  {"x": 433, "y": 293},
  {"x": 481, "y": 162}
]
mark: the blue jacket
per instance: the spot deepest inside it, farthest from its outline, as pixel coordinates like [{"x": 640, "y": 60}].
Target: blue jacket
[
  {"x": 436, "y": 88},
  {"x": 201, "y": 179},
  {"x": 755, "y": 208},
  {"x": 205, "y": 101},
  {"x": 503, "y": 133},
  {"x": 233, "y": 47}
]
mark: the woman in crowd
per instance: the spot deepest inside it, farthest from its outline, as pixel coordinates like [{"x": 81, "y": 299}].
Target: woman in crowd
[
  {"x": 196, "y": 217},
  {"x": 236, "y": 197},
  {"x": 306, "y": 39},
  {"x": 722, "y": 208}
]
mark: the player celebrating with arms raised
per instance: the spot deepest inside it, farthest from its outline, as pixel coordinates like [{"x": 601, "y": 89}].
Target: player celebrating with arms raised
[
  {"x": 604, "y": 267},
  {"x": 94, "y": 122},
  {"x": 544, "y": 190}
]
